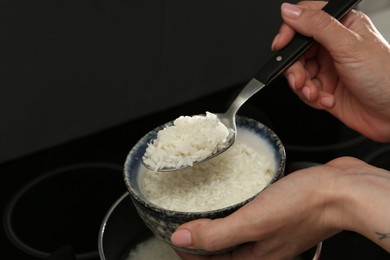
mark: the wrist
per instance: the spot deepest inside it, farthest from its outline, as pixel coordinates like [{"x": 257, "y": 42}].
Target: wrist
[{"x": 359, "y": 200}]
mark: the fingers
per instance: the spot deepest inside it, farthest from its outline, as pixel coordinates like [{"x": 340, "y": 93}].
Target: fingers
[
  {"x": 217, "y": 234},
  {"x": 286, "y": 33},
  {"x": 206, "y": 234},
  {"x": 300, "y": 77},
  {"x": 296, "y": 75},
  {"x": 308, "y": 19}
]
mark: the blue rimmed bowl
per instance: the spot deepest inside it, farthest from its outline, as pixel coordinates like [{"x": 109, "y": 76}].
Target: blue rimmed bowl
[{"x": 163, "y": 222}]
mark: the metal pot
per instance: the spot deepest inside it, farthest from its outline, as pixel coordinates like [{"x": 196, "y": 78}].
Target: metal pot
[{"x": 121, "y": 229}]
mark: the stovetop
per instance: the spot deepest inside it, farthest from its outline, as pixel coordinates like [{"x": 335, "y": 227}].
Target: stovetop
[{"x": 59, "y": 196}]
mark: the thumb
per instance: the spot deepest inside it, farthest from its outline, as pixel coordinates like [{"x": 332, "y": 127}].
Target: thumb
[
  {"x": 308, "y": 19},
  {"x": 216, "y": 234}
]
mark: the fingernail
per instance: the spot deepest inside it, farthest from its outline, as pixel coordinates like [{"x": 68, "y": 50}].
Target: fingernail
[
  {"x": 327, "y": 102},
  {"x": 290, "y": 10},
  {"x": 291, "y": 80},
  {"x": 182, "y": 238},
  {"x": 274, "y": 42},
  {"x": 306, "y": 92}
]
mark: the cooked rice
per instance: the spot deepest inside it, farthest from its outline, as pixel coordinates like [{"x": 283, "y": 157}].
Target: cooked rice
[
  {"x": 232, "y": 177},
  {"x": 188, "y": 140},
  {"x": 152, "y": 249}
]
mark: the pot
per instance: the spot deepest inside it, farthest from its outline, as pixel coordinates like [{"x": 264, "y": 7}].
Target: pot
[{"x": 121, "y": 229}]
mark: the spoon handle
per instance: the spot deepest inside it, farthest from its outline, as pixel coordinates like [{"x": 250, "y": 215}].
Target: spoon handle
[{"x": 299, "y": 44}]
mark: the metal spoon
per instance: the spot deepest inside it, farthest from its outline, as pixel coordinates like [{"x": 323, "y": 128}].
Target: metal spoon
[{"x": 271, "y": 70}]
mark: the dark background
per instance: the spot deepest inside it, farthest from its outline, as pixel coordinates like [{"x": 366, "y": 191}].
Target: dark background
[{"x": 71, "y": 68}]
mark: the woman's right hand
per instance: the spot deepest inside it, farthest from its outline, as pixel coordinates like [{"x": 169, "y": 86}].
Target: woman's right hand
[{"x": 346, "y": 73}]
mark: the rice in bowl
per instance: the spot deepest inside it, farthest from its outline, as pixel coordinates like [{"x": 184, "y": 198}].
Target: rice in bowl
[{"x": 241, "y": 172}]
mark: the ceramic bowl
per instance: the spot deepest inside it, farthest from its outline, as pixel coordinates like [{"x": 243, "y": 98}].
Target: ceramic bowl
[{"x": 163, "y": 222}]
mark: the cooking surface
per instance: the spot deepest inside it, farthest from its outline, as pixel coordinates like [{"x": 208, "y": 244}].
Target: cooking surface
[{"x": 75, "y": 192}]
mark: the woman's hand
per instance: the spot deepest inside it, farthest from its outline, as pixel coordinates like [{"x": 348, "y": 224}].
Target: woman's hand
[
  {"x": 346, "y": 73},
  {"x": 297, "y": 212}
]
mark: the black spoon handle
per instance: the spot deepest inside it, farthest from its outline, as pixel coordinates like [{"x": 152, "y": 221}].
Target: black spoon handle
[{"x": 299, "y": 44}]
